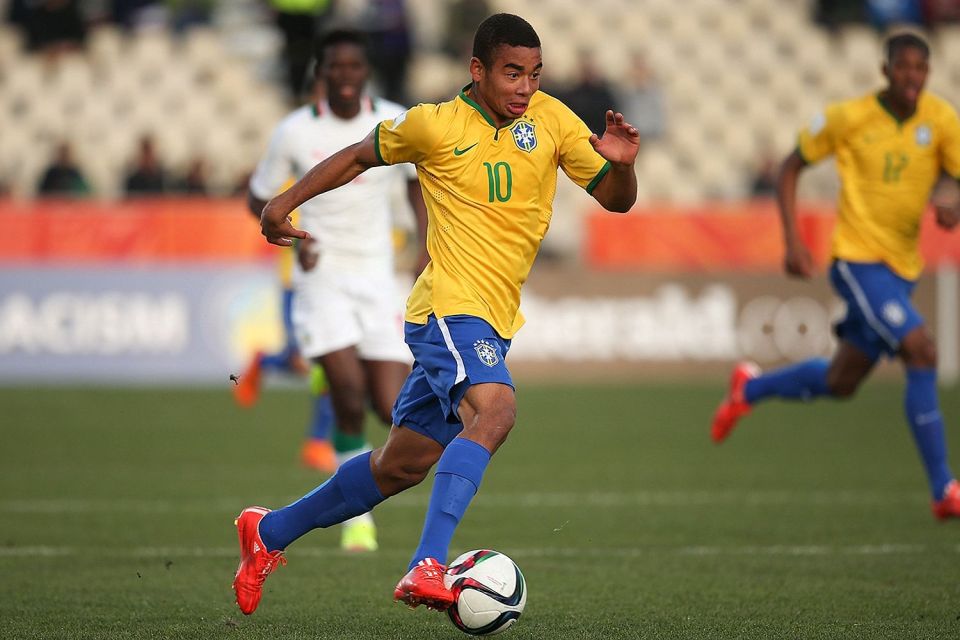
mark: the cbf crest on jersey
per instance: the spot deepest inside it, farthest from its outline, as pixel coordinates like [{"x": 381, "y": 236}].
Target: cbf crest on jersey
[
  {"x": 487, "y": 352},
  {"x": 525, "y": 135},
  {"x": 924, "y": 136}
]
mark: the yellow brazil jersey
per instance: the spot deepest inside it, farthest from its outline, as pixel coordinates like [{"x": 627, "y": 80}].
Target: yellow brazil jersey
[
  {"x": 489, "y": 196},
  {"x": 887, "y": 169},
  {"x": 286, "y": 261},
  {"x": 288, "y": 256}
]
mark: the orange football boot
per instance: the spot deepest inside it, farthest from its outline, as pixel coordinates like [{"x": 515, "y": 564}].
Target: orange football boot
[
  {"x": 319, "y": 454},
  {"x": 424, "y": 585},
  {"x": 256, "y": 563},
  {"x": 247, "y": 390},
  {"x": 948, "y": 506},
  {"x": 734, "y": 406}
]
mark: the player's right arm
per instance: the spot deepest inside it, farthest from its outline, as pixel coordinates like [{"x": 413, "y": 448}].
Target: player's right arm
[
  {"x": 797, "y": 260},
  {"x": 335, "y": 171},
  {"x": 816, "y": 141}
]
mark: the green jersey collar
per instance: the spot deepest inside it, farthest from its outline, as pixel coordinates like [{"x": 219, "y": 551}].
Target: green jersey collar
[
  {"x": 473, "y": 103},
  {"x": 897, "y": 119}
]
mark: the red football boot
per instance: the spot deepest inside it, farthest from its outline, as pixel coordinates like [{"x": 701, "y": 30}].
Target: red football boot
[
  {"x": 948, "y": 506},
  {"x": 256, "y": 563},
  {"x": 424, "y": 585},
  {"x": 734, "y": 406}
]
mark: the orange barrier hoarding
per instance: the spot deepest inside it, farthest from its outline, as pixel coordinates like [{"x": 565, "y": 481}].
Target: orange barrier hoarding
[
  {"x": 728, "y": 236},
  {"x": 739, "y": 236},
  {"x": 144, "y": 231}
]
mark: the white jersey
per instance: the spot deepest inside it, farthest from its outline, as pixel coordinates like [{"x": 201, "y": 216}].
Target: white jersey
[{"x": 352, "y": 224}]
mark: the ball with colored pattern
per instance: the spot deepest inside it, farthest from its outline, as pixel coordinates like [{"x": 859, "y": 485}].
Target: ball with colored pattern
[{"x": 490, "y": 592}]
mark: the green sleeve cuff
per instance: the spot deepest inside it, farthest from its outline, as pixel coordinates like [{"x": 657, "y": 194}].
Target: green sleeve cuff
[
  {"x": 597, "y": 178},
  {"x": 376, "y": 143}
]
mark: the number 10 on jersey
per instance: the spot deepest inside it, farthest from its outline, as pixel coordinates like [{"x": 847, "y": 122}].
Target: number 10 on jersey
[{"x": 499, "y": 181}]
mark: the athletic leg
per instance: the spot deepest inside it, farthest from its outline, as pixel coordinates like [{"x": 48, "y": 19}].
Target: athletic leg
[
  {"x": 471, "y": 396},
  {"x": 357, "y": 487},
  {"x": 385, "y": 379},
  {"x": 922, "y": 405},
  {"x": 317, "y": 451},
  {"x": 347, "y": 379}
]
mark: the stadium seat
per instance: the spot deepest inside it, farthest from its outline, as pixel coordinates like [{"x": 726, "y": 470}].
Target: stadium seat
[{"x": 737, "y": 76}]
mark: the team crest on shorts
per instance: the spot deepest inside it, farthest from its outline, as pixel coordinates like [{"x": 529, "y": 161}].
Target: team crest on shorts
[
  {"x": 525, "y": 135},
  {"x": 893, "y": 313},
  {"x": 924, "y": 136},
  {"x": 486, "y": 352}
]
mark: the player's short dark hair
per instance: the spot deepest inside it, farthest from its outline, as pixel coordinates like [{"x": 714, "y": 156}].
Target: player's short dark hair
[
  {"x": 900, "y": 41},
  {"x": 339, "y": 36},
  {"x": 502, "y": 29}
]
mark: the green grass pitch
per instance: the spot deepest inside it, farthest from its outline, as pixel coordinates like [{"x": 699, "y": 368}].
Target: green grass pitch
[{"x": 810, "y": 522}]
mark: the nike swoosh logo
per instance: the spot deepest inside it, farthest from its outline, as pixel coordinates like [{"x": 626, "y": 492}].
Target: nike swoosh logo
[{"x": 460, "y": 152}]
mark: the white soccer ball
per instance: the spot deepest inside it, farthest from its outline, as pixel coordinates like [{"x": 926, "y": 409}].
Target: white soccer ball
[{"x": 489, "y": 592}]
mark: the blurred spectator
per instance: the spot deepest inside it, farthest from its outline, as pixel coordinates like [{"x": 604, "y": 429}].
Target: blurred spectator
[
  {"x": 885, "y": 13},
  {"x": 63, "y": 176},
  {"x": 194, "y": 181},
  {"x": 940, "y": 11},
  {"x": 134, "y": 14},
  {"x": 462, "y": 19},
  {"x": 385, "y": 22},
  {"x": 189, "y": 13},
  {"x": 300, "y": 21},
  {"x": 591, "y": 96},
  {"x": 642, "y": 100},
  {"x": 147, "y": 177},
  {"x": 763, "y": 184},
  {"x": 50, "y": 25},
  {"x": 833, "y": 14}
]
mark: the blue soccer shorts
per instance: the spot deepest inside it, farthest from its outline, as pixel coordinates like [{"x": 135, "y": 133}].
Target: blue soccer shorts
[
  {"x": 450, "y": 354},
  {"x": 879, "y": 311}
]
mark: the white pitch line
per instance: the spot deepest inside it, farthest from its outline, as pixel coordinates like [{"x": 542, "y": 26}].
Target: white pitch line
[
  {"x": 541, "y": 499},
  {"x": 147, "y": 553}
]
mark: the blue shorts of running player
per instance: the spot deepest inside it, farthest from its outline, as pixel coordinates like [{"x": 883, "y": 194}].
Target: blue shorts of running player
[
  {"x": 879, "y": 311},
  {"x": 450, "y": 354}
]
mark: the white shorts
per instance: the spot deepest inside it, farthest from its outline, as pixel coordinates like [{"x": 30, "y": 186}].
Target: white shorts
[{"x": 333, "y": 311}]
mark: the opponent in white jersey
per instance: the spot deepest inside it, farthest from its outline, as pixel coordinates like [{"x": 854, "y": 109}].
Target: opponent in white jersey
[{"x": 347, "y": 312}]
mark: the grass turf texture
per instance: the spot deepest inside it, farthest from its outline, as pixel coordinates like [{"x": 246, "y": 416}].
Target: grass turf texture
[{"x": 810, "y": 522}]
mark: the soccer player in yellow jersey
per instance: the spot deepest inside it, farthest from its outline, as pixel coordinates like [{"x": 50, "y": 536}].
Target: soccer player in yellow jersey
[
  {"x": 891, "y": 148},
  {"x": 487, "y": 163}
]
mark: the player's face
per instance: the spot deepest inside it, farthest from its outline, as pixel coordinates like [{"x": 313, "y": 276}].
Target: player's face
[
  {"x": 344, "y": 72},
  {"x": 506, "y": 86},
  {"x": 907, "y": 73}
]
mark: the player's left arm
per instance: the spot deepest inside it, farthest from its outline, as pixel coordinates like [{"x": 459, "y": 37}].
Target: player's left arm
[
  {"x": 946, "y": 202},
  {"x": 617, "y": 190},
  {"x": 947, "y": 210}
]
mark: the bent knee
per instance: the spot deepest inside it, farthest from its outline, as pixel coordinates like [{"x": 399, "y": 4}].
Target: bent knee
[
  {"x": 844, "y": 391},
  {"x": 842, "y": 388},
  {"x": 923, "y": 356},
  {"x": 397, "y": 475}
]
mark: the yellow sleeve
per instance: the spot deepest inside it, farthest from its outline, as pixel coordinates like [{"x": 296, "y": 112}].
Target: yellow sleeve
[
  {"x": 950, "y": 144},
  {"x": 819, "y": 138},
  {"x": 578, "y": 159},
  {"x": 410, "y": 137}
]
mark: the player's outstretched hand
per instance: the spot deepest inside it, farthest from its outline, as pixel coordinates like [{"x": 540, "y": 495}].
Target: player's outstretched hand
[
  {"x": 276, "y": 227},
  {"x": 620, "y": 142},
  {"x": 798, "y": 262},
  {"x": 948, "y": 216}
]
